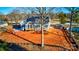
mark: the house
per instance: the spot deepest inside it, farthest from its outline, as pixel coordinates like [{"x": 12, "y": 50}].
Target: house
[
  {"x": 55, "y": 21},
  {"x": 33, "y": 22}
]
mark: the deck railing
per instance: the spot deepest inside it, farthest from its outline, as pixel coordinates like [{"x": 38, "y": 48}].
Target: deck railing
[{"x": 72, "y": 40}]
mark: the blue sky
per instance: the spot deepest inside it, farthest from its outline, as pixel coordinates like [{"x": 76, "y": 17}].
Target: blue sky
[{"x": 6, "y": 10}]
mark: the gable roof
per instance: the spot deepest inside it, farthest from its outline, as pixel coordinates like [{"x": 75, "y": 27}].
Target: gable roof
[{"x": 36, "y": 18}]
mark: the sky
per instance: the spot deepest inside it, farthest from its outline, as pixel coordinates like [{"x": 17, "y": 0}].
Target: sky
[{"x": 7, "y": 10}]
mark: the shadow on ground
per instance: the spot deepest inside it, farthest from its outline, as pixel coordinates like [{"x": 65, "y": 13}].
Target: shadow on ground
[{"x": 10, "y": 47}]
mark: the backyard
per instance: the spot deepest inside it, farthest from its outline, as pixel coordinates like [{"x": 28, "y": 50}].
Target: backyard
[{"x": 39, "y": 29}]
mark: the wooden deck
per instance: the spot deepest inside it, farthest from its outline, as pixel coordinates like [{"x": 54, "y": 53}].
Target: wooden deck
[{"x": 54, "y": 40}]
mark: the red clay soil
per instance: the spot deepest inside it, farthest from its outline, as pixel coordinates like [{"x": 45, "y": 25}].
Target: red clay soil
[{"x": 53, "y": 37}]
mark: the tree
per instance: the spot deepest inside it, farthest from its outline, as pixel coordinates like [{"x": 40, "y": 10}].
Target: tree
[
  {"x": 21, "y": 13},
  {"x": 76, "y": 17},
  {"x": 3, "y": 17},
  {"x": 43, "y": 12},
  {"x": 62, "y": 16},
  {"x": 72, "y": 11},
  {"x": 17, "y": 15},
  {"x": 4, "y": 46}
]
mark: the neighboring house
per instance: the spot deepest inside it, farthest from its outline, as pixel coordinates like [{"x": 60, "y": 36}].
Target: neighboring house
[
  {"x": 33, "y": 23},
  {"x": 3, "y": 23},
  {"x": 36, "y": 22},
  {"x": 55, "y": 21},
  {"x": 67, "y": 24}
]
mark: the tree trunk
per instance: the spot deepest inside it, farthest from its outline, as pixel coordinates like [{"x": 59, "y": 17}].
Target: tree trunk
[
  {"x": 70, "y": 29},
  {"x": 42, "y": 36},
  {"x": 42, "y": 32}
]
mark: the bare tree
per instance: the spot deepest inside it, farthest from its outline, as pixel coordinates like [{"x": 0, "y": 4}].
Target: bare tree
[
  {"x": 43, "y": 12},
  {"x": 18, "y": 14},
  {"x": 3, "y": 17},
  {"x": 72, "y": 11}
]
